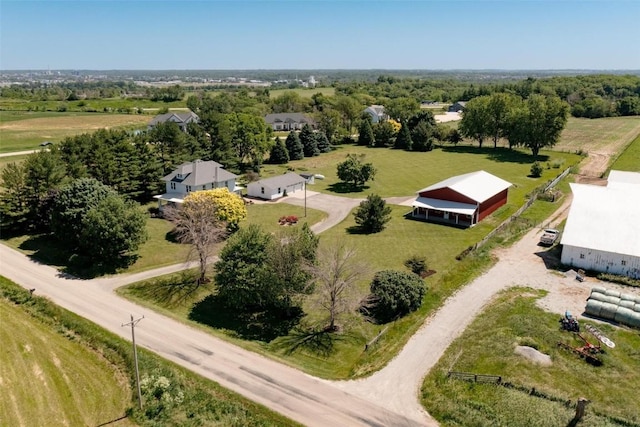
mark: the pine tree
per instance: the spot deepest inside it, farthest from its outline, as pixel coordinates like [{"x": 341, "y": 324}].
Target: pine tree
[
  {"x": 309, "y": 143},
  {"x": 366, "y": 136},
  {"x": 294, "y": 146},
  {"x": 279, "y": 154},
  {"x": 322, "y": 142},
  {"x": 403, "y": 140}
]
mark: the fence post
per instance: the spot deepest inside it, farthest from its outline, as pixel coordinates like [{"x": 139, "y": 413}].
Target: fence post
[{"x": 580, "y": 409}]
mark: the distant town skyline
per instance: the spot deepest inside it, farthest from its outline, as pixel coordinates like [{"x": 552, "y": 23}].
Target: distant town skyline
[{"x": 309, "y": 35}]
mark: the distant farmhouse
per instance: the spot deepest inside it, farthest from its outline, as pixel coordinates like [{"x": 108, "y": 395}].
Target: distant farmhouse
[
  {"x": 457, "y": 107},
  {"x": 196, "y": 176},
  {"x": 182, "y": 119},
  {"x": 462, "y": 200},
  {"x": 376, "y": 112},
  {"x": 602, "y": 232},
  {"x": 288, "y": 121},
  {"x": 275, "y": 187}
]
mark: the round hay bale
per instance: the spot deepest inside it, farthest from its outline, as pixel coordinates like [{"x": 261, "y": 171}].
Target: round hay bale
[
  {"x": 593, "y": 307},
  {"x": 627, "y": 304},
  {"x": 623, "y": 315},
  {"x": 627, "y": 297},
  {"x": 634, "y": 320},
  {"x": 612, "y": 293},
  {"x": 637, "y": 300},
  {"x": 598, "y": 289},
  {"x": 636, "y": 308},
  {"x": 608, "y": 311},
  {"x": 598, "y": 296}
]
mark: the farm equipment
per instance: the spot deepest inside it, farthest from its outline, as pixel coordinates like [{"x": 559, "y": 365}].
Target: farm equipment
[
  {"x": 587, "y": 351},
  {"x": 569, "y": 323}
]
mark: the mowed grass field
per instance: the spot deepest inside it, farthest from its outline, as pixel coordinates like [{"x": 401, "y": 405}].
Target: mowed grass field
[
  {"x": 21, "y": 131},
  {"x": 610, "y": 134},
  {"x": 304, "y": 92},
  {"x": 629, "y": 160},
  {"x": 487, "y": 347},
  {"x": 47, "y": 379}
]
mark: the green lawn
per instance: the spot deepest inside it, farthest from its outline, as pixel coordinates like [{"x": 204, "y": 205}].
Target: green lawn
[
  {"x": 629, "y": 160},
  {"x": 46, "y": 376},
  {"x": 26, "y": 130},
  {"x": 60, "y": 369},
  {"x": 487, "y": 347}
]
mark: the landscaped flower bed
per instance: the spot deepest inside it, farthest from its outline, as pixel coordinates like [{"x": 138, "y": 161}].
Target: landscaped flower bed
[{"x": 288, "y": 220}]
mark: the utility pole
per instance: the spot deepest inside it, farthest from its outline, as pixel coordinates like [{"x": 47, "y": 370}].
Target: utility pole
[
  {"x": 305, "y": 199},
  {"x": 133, "y": 324}
]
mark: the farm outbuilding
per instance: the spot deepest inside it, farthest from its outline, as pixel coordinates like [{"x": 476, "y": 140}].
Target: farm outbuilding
[
  {"x": 462, "y": 200},
  {"x": 275, "y": 187},
  {"x": 602, "y": 229}
]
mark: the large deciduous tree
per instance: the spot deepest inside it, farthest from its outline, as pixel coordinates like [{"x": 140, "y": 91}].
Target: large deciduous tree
[
  {"x": 354, "y": 171},
  {"x": 475, "y": 119},
  {"x": 384, "y": 133},
  {"x": 499, "y": 107},
  {"x": 542, "y": 122},
  {"x": 373, "y": 214},
  {"x": 401, "y": 109},
  {"x": 112, "y": 231},
  {"x": 394, "y": 294},
  {"x": 249, "y": 137},
  {"x": 335, "y": 276}
]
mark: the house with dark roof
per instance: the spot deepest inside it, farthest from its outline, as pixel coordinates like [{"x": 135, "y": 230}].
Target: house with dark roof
[
  {"x": 196, "y": 176},
  {"x": 462, "y": 200},
  {"x": 182, "y": 119},
  {"x": 288, "y": 121},
  {"x": 457, "y": 107},
  {"x": 275, "y": 187},
  {"x": 377, "y": 114}
]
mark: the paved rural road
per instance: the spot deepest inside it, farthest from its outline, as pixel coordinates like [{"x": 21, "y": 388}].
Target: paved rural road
[
  {"x": 18, "y": 153},
  {"x": 301, "y": 397}
]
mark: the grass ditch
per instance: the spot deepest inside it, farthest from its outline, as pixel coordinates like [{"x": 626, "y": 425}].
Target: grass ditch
[
  {"x": 172, "y": 395},
  {"x": 487, "y": 347}
]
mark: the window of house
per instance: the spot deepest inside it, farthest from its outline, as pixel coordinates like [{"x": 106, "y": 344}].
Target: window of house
[
  {"x": 581, "y": 256},
  {"x": 279, "y": 190},
  {"x": 188, "y": 188},
  {"x": 623, "y": 262},
  {"x": 173, "y": 185},
  {"x": 204, "y": 187},
  {"x": 262, "y": 190}
]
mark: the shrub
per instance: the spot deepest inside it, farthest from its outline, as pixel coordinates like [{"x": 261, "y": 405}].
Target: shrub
[
  {"x": 373, "y": 214},
  {"x": 395, "y": 293},
  {"x": 536, "y": 170},
  {"x": 417, "y": 264}
]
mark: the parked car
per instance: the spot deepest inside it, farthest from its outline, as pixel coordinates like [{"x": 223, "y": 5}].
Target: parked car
[
  {"x": 549, "y": 236},
  {"x": 45, "y": 143}
]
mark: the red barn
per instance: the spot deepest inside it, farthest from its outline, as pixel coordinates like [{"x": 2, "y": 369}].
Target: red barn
[{"x": 462, "y": 200}]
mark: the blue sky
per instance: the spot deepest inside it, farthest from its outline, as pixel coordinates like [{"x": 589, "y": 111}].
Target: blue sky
[{"x": 350, "y": 34}]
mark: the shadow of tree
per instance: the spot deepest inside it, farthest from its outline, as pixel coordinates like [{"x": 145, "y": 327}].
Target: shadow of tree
[
  {"x": 500, "y": 154},
  {"x": 170, "y": 292},
  {"x": 317, "y": 341},
  {"x": 263, "y": 325},
  {"x": 343, "y": 187}
]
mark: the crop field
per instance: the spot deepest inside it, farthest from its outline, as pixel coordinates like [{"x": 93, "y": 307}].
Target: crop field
[
  {"x": 304, "y": 92},
  {"x": 609, "y": 134},
  {"x": 25, "y": 131},
  {"x": 45, "y": 376},
  {"x": 487, "y": 347}
]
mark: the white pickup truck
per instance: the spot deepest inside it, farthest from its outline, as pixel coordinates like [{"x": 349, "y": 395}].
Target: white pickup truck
[{"x": 549, "y": 236}]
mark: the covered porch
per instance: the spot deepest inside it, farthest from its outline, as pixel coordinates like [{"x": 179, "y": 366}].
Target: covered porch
[{"x": 444, "y": 212}]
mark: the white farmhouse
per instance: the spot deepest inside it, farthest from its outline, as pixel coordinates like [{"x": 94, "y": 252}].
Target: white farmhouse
[
  {"x": 196, "y": 176},
  {"x": 275, "y": 187},
  {"x": 603, "y": 228}
]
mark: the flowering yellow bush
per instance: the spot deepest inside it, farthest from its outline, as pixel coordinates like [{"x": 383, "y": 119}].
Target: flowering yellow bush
[
  {"x": 396, "y": 125},
  {"x": 225, "y": 205}
]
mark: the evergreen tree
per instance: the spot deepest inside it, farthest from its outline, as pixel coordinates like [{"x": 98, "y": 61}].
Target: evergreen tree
[
  {"x": 294, "y": 146},
  {"x": 308, "y": 140},
  {"x": 322, "y": 142},
  {"x": 365, "y": 136},
  {"x": 403, "y": 140},
  {"x": 372, "y": 214},
  {"x": 279, "y": 154}
]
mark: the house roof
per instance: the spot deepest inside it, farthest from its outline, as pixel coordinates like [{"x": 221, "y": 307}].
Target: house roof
[
  {"x": 604, "y": 218},
  {"x": 288, "y": 117},
  {"x": 282, "y": 181},
  {"x": 478, "y": 186},
  {"x": 178, "y": 117},
  {"x": 444, "y": 205},
  {"x": 617, "y": 178},
  {"x": 199, "y": 173},
  {"x": 376, "y": 109}
]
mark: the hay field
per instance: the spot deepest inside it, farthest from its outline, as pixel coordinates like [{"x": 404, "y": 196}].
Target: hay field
[{"x": 27, "y": 131}]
